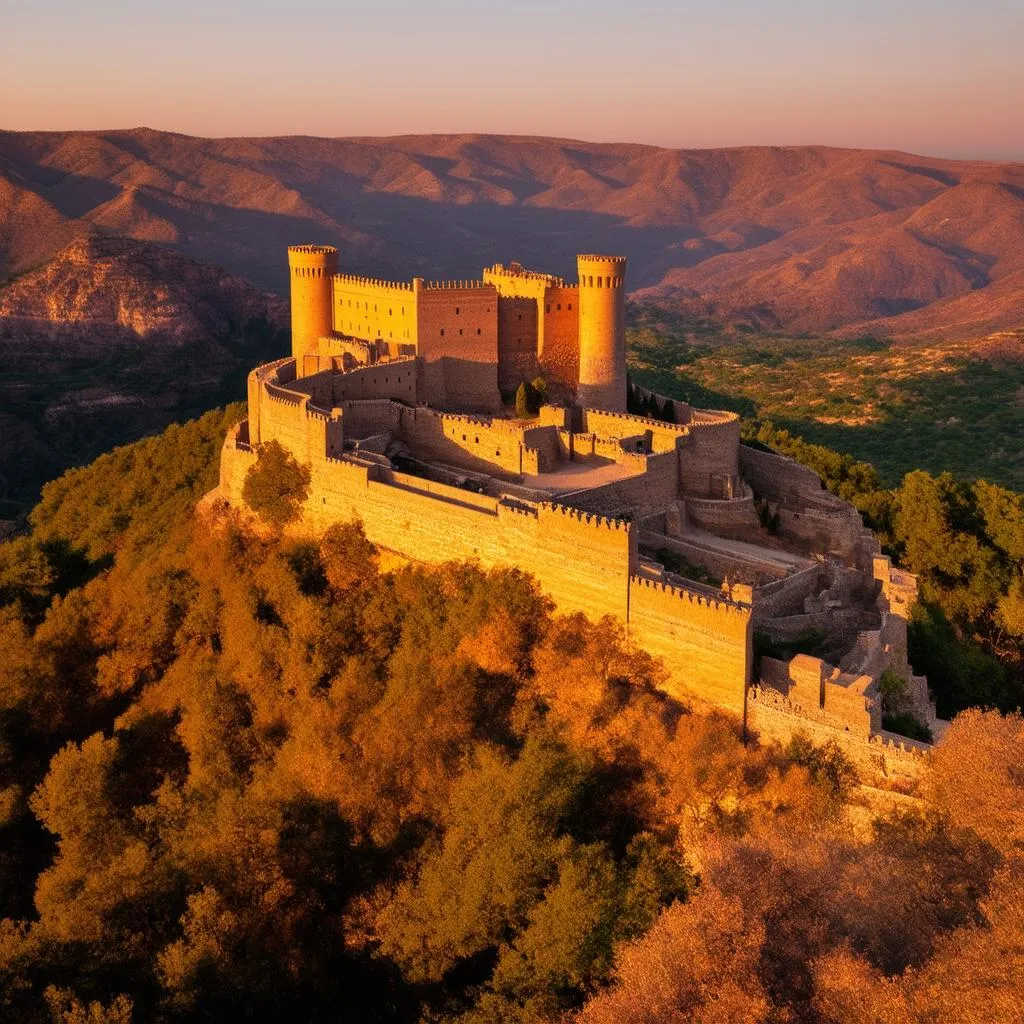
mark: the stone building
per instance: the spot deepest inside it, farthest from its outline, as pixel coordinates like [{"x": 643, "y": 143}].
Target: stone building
[{"x": 393, "y": 397}]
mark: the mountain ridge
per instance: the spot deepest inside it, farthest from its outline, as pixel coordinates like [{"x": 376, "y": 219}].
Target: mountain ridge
[{"x": 807, "y": 238}]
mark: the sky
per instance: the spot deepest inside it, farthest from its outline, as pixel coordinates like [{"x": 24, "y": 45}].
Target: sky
[{"x": 939, "y": 77}]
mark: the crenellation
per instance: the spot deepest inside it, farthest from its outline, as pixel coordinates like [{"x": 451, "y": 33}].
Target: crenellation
[{"x": 391, "y": 399}]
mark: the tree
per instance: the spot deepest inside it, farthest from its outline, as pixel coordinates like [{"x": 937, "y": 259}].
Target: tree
[
  {"x": 528, "y": 400},
  {"x": 276, "y": 486},
  {"x": 976, "y": 777},
  {"x": 699, "y": 963}
]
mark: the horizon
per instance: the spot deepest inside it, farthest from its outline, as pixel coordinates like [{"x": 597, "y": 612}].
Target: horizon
[
  {"x": 745, "y": 74},
  {"x": 521, "y": 136}
]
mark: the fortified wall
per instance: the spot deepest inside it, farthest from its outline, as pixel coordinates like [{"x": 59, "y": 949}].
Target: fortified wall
[{"x": 693, "y": 541}]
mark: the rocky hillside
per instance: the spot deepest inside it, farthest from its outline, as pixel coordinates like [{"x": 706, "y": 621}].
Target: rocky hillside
[
  {"x": 114, "y": 338},
  {"x": 804, "y": 238},
  {"x": 118, "y": 287}
]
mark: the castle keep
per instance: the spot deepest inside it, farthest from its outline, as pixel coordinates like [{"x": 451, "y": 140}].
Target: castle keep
[{"x": 397, "y": 397}]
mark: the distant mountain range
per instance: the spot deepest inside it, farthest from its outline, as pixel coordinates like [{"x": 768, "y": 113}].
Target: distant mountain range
[{"x": 801, "y": 238}]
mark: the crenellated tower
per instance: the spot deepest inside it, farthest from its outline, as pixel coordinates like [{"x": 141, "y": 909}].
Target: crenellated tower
[
  {"x": 311, "y": 269},
  {"x": 602, "y": 332}
]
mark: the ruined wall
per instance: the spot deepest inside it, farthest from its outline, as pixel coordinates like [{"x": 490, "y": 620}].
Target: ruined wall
[
  {"x": 778, "y": 477},
  {"x": 787, "y": 596},
  {"x": 369, "y": 309},
  {"x": 879, "y": 758},
  {"x": 705, "y": 642},
  {"x": 517, "y": 342},
  {"x": 719, "y": 562}
]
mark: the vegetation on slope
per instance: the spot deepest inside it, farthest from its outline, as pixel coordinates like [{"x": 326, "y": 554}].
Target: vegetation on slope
[
  {"x": 244, "y": 776},
  {"x": 899, "y": 406}
]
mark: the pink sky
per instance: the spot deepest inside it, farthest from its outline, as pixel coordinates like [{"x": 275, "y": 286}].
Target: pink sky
[{"x": 931, "y": 77}]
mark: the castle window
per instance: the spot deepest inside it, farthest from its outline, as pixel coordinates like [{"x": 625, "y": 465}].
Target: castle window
[
  {"x": 390, "y": 312},
  {"x": 456, "y": 310},
  {"x": 497, "y": 453},
  {"x": 547, "y": 308},
  {"x": 599, "y": 282},
  {"x": 463, "y": 437},
  {"x": 476, "y": 440},
  {"x": 560, "y": 307},
  {"x": 442, "y": 332},
  {"x": 478, "y": 330},
  {"x": 570, "y": 305},
  {"x": 520, "y": 316},
  {"x": 460, "y": 331}
]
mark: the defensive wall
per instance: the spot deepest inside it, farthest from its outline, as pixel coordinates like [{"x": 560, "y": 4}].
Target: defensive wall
[
  {"x": 552, "y": 307},
  {"x": 584, "y": 560},
  {"x": 808, "y": 515}
]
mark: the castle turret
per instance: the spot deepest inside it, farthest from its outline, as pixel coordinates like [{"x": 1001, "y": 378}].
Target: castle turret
[
  {"x": 602, "y": 332},
  {"x": 311, "y": 268}
]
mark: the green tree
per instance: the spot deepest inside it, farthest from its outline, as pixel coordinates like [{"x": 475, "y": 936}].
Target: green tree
[{"x": 276, "y": 486}]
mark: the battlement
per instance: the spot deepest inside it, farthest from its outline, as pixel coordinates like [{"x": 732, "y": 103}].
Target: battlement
[
  {"x": 456, "y": 285},
  {"x": 313, "y": 250},
  {"x": 646, "y": 421},
  {"x": 373, "y": 282},
  {"x": 585, "y": 518},
  {"x": 695, "y": 594},
  {"x": 597, "y": 258},
  {"x": 519, "y": 272}
]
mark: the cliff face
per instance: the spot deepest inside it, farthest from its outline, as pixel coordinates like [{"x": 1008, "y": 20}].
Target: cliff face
[
  {"x": 112, "y": 339},
  {"x": 118, "y": 287}
]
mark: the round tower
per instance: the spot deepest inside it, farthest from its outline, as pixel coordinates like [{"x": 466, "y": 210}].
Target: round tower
[
  {"x": 602, "y": 332},
  {"x": 310, "y": 268}
]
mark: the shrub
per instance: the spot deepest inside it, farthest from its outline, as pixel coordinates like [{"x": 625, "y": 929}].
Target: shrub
[{"x": 276, "y": 486}]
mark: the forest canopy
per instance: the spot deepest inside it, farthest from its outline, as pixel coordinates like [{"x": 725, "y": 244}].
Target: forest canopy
[{"x": 247, "y": 776}]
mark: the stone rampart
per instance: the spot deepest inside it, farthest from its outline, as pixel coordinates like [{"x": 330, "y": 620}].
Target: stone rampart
[{"x": 705, "y": 642}]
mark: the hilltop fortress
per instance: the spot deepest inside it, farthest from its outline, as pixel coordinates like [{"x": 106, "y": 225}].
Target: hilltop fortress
[{"x": 710, "y": 553}]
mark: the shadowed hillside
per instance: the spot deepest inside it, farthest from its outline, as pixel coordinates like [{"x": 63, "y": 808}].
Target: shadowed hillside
[
  {"x": 113, "y": 338},
  {"x": 805, "y": 238}
]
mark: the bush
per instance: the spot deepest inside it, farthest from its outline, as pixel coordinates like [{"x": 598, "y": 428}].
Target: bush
[{"x": 276, "y": 486}]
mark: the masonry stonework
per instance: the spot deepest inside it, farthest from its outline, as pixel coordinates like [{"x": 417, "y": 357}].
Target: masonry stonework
[{"x": 393, "y": 400}]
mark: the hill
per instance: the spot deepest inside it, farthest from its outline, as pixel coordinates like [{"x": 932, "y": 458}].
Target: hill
[
  {"x": 800, "y": 238},
  {"x": 113, "y": 338},
  {"x": 246, "y": 777}
]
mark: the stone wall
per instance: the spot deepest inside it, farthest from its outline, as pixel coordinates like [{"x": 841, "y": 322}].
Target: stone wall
[
  {"x": 787, "y": 596},
  {"x": 653, "y": 485},
  {"x": 729, "y": 518},
  {"x": 457, "y": 331},
  {"x": 710, "y": 455},
  {"x": 517, "y": 342},
  {"x": 558, "y": 350},
  {"x": 705, "y": 643},
  {"x": 370, "y": 309}
]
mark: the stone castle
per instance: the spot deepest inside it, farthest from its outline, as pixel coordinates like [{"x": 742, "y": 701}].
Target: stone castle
[{"x": 709, "y": 552}]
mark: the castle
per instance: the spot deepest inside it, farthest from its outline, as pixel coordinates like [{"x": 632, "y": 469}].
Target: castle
[{"x": 709, "y": 552}]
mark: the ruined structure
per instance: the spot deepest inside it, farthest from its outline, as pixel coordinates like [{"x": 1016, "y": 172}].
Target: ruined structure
[{"x": 708, "y": 551}]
